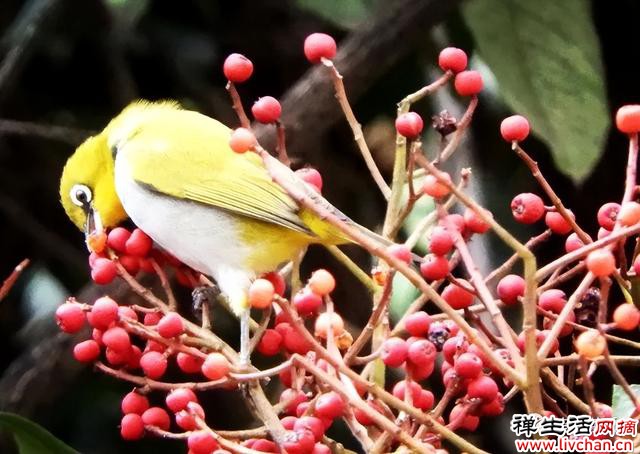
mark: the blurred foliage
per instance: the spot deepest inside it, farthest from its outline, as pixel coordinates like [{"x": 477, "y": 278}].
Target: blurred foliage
[
  {"x": 32, "y": 438},
  {"x": 621, "y": 404}
]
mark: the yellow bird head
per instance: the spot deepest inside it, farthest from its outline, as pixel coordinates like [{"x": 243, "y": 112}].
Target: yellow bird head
[{"x": 87, "y": 188}]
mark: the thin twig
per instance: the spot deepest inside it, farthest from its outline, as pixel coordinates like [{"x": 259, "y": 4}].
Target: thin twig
[{"x": 13, "y": 277}]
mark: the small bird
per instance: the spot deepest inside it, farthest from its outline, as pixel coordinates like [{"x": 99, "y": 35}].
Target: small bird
[{"x": 172, "y": 172}]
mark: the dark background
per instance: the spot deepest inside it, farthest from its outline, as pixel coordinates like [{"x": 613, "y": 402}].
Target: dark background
[{"x": 68, "y": 66}]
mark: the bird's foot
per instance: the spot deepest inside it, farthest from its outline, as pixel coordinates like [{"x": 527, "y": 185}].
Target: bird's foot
[{"x": 204, "y": 294}]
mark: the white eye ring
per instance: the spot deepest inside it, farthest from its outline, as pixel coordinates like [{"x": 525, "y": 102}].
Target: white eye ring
[{"x": 80, "y": 195}]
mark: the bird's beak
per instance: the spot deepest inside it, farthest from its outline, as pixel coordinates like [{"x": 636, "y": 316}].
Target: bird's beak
[{"x": 94, "y": 233}]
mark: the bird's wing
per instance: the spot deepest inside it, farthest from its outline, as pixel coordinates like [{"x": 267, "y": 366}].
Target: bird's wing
[{"x": 185, "y": 155}]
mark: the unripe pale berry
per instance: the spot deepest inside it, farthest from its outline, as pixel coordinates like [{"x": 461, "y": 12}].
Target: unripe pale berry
[
  {"x": 628, "y": 119},
  {"x": 626, "y": 317},
  {"x": 70, "y": 317},
  {"x": 266, "y": 109},
  {"x": 215, "y": 366},
  {"x": 434, "y": 187},
  {"x": 86, "y": 351},
  {"x": 237, "y": 68},
  {"x": 468, "y": 83},
  {"x": 590, "y": 343},
  {"x": 440, "y": 241},
  {"x": 457, "y": 297},
  {"x": 514, "y": 128},
  {"x": 394, "y": 352},
  {"x": 417, "y": 324},
  {"x": 242, "y": 140},
  {"x": 629, "y": 213},
  {"x": 510, "y": 288},
  {"x": 434, "y": 267},
  {"x": 409, "y": 125},
  {"x": 171, "y": 325},
  {"x": 322, "y": 282},
  {"x": 452, "y": 59},
  {"x": 261, "y": 293},
  {"x": 601, "y": 262},
  {"x": 527, "y": 208},
  {"x": 318, "y": 46},
  {"x": 557, "y": 223}
]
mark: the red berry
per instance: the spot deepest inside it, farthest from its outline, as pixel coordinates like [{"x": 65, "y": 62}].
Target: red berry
[
  {"x": 130, "y": 263},
  {"x": 453, "y": 222},
  {"x": 86, "y": 351},
  {"x": 440, "y": 241},
  {"x": 215, "y": 366},
  {"x": 311, "y": 176},
  {"x": 292, "y": 398},
  {"x": 607, "y": 215},
  {"x": 400, "y": 251},
  {"x": 152, "y": 318},
  {"x": 288, "y": 422},
  {"x": 298, "y": 442},
  {"x": 104, "y": 271},
  {"x": 400, "y": 389},
  {"x": 134, "y": 402},
  {"x": 270, "y": 343},
  {"x": 514, "y": 128},
  {"x": 242, "y": 140},
  {"x": 463, "y": 419},
  {"x": 295, "y": 342},
  {"x": 153, "y": 364},
  {"x": 527, "y": 208},
  {"x": 552, "y": 300},
  {"x": 453, "y": 347},
  {"x": 474, "y": 223},
  {"x": 626, "y": 317},
  {"x": 185, "y": 420},
  {"x": 558, "y": 224},
  {"x": 434, "y": 267},
  {"x": 70, "y": 317},
  {"x": 117, "y": 239},
  {"x": 394, "y": 352},
  {"x": 279, "y": 285},
  {"x": 157, "y": 417},
  {"x": 434, "y": 187},
  {"x": 116, "y": 358},
  {"x": 131, "y": 427},
  {"x": 493, "y": 408},
  {"x": 629, "y": 213},
  {"x": 573, "y": 242},
  {"x": 126, "y": 313},
  {"x": 322, "y": 282},
  {"x": 117, "y": 339},
  {"x": 329, "y": 405},
  {"x": 422, "y": 352},
  {"x": 510, "y": 288},
  {"x": 409, "y": 125},
  {"x": 425, "y": 400},
  {"x": 452, "y": 59},
  {"x": 468, "y": 83},
  {"x": 188, "y": 363},
  {"x": 601, "y": 262},
  {"x": 417, "y": 324},
  {"x": 171, "y": 325},
  {"x": 483, "y": 387},
  {"x": 237, "y": 68},
  {"x": 139, "y": 244},
  {"x": 468, "y": 365},
  {"x": 103, "y": 313},
  {"x": 179, "y": 398},
  {"x": 266, "y": 109},
  {"x": 628, "y": 119},
  {"x": 202, "y": 442},
  {"x": 457, "y": 297},
  {"x": 318, "y": 46},
  {"x": 261, "y": 293},
  {"x": 307, "y": 302},
  {"x": 312, "y": 424}
]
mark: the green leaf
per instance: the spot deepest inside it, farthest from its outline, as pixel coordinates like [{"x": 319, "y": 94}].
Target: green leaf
[
  {"x": 546, "y": 58},
  {"x": 32, "y": 438},
  {"x": 343, "y": 13},
  {"x": 621, "y": 404},
  {"x": 403, "y": 295}
]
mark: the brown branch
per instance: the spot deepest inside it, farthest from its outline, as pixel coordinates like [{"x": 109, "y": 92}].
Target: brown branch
[{"x": 13, "y": 277}]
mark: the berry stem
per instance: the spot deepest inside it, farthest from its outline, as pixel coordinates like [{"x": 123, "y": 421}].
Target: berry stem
[
  {"x": 237, "y": 105},
  {"x": 356, "y": 128},
  {"x": 281, "y": 144},
  {"x": 166, "y": 286}
]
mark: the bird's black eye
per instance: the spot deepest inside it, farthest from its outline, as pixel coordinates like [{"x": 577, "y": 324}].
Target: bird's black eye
[{"x": 80, "y": 195}]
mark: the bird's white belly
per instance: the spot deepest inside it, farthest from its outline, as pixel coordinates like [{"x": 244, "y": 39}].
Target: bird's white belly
[{"x": 202, "y": 237}]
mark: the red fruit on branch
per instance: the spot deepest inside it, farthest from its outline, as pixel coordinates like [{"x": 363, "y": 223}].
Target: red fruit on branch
[
  {"x": 510, "y": 288},
  {"x": 70, "y": 317},
  {"x": 153, "y": 364},
  {"x": 590, "y": 343},
  {"x": 629, "y": 213},
  {"x": 436, "y": 189},
  {"x": 409, "y": 125},
  {"x": 117, "y": 239},
  {"x": 601, "y": 262},
  {"x": 417, "y": 324},
  {"x": 474, "y": 223},
  {"x": 483, "y": 387},
  {"x": 628, "y": 119},
  {"x": 318, "y": 46},
  {"x": 514, "y": 128},
  {"x": 157, "y": 417},
  {"x": 626, "y": 317},
  {"x": 572, "y": 243},
  {"x": 440, "y": 241},
  {"x": 329, "y": 405},
  {"x": 178, "y": 399},
  {"x": 557, "y": 223},
  {"x": 452, "y": 59},
  {"x": 552, "y": 300},
  {"x": 242, "y": 140},
  {"x": 170, "y": 325},
  {"x": 311, "y": 176},
  {"x": 188, "y": 363},
  {"x": 307, "y": 302},
  {"x": 607, "y": 215},
  {"x": 468, "y": 83},
  {"x": 468, "y": 365},
  {"x": 131, "y": 427},
  {"x": 201, "y": 442},
  {"x": 270, "y": 343},
  {"x": 322, "y": 282},
  {"x": 134, "y": 402},
  {"x": 261, "y": 293},
  {"x": 215, "y": 366},
  {"x": 394, "y": 352},
  {"x": 86, "y": 351},
  {"x": 104, "y": 271},
  {"x": 527, "y": 208},
  {"x": 139, "y": 244},
  {"x": 266, "y": 109},
  {"x": 434, "y": 267},
  {"x": 456, "y": 296},
  {"x": 237, "y": 68},
  {"x": 117, "y": 339}
]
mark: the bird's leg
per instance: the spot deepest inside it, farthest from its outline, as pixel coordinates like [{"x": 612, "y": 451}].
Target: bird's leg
[
  {"x": 244, "y": 338},
  {"x": 202, "y": 298}
]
